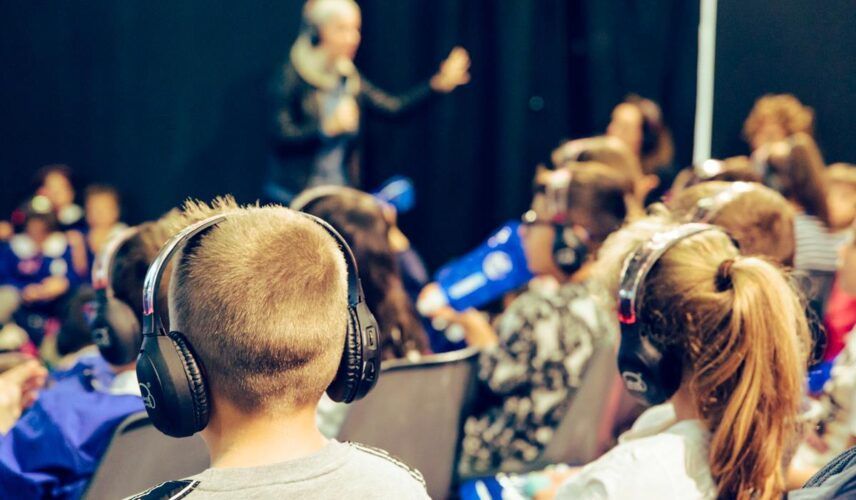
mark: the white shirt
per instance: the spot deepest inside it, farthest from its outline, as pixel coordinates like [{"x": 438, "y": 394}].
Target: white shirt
[{"x": 658, "y": 458}]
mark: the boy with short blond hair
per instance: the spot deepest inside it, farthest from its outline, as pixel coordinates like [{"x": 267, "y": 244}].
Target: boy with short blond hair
[{"x": 262, "y": 299}]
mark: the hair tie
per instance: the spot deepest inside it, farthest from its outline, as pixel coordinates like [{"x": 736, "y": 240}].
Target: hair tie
[{"x": 723, "y": 275}]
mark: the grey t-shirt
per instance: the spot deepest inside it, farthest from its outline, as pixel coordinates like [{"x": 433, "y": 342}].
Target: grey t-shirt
[{"x": 339, "y": 470}]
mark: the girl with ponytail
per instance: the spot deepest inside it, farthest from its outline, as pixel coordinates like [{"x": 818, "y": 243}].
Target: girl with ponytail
[{"x": 732, "y": 332}]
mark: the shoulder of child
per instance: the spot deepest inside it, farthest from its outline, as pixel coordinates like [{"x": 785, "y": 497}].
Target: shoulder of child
[
  {"x": 391, "y": 471},
  {"x": 662, "y": 466}
]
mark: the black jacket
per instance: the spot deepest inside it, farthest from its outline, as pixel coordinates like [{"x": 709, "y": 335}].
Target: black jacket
[{"x": 296, "y": 127}]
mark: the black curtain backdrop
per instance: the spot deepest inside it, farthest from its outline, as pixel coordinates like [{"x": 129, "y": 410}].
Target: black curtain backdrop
[
  {"x": 796, "y": 46},
  {"x": 166, "y": 100}
]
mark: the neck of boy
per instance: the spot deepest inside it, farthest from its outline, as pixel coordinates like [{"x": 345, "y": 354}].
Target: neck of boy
[{"x": 239, "y": 439}]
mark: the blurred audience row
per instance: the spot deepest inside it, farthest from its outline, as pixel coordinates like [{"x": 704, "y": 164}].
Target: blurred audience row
[{"x": 754, "y": 320}]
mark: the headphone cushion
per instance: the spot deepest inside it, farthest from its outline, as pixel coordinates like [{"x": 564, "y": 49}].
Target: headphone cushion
[
  {"x": 569, "y": 252},
  {"x": 195, "y": 379},
  {"x": 650, "y": 373},
  {"x": 120, "y": 335},
  {"x": 344, "y": 387}
]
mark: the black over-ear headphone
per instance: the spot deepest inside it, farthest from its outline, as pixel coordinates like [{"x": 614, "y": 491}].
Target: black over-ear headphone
[
  {"x": 114, "y": 326},
  {"x": 172, "y": 377},
  {"x": 569, "y": 250},
  {"x": 650, "y": 370}
]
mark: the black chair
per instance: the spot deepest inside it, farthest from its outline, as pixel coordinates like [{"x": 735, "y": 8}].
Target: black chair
[
  {"x": 140, "y": 457},
  {"x": 417, "y": 413}
]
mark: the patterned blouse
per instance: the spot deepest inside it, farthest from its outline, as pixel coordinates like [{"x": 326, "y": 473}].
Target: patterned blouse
[{"x": 546, "y": 337}]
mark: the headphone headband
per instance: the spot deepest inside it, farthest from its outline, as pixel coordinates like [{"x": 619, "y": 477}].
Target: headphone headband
[
  {"x": 155, "y": 273},
  {"x": 311, "y": 195},
  {"x": 707, "y": 208},
  {"x": 102, "y": 269},
  {"x": 639, "y": 263}
]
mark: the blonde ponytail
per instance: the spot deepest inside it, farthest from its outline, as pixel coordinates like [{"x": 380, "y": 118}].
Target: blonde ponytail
[{"x": 744, "y": 333}]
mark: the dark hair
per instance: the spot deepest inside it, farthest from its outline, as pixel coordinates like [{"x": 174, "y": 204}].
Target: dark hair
[
  {"x": 803, "y": 177},
  {"x": 657, "y": 150},
  {"x": 131, "y": 263},
  {"x": 102, "y": 189},
  {"x": 54, "y": 168},
  {"x": 358, "y": 217},
  {"x": 32, "y": 213},
  {"x": 597, "y": 199}
]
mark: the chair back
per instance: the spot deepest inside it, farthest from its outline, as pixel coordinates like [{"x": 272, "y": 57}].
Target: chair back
[
  {"x": 140, "y": 456},
  {"x": 417, "y": 412}
]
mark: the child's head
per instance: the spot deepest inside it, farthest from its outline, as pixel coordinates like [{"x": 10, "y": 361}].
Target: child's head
[
  {"x": 262, "y": 298},
  {"x": 638, "y": 122},
  {"x": 38, "y": 224},
  {"x": 54, "y": 182},
  {"x": 613, "y": 153},
  {"x": 796, "y": 169},
  {"x": 364, "y": 224},
  {"x": 758, "y": 218},
  {"x": 133, "y": 258},
  {"x": 114, "y": 323},
  {"x": 733, "y": 169},
  {"x": 102, "y": 206},
  {"x": 842, "y": 194},
  {"x": 774, "y": 117},
  {"x": 738, "y": 332},
  {"x": 589, "y": 198}
]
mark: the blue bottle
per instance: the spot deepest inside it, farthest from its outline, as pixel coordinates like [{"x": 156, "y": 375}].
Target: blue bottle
[
  {"x": 399, "y": 192},
  {"x": 496, "y": 267}
]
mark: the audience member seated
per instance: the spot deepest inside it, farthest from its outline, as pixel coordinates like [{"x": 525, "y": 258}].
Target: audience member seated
[
  {"x": 360, "y": 219},
  {"x": 55, "y": 185},
  {"x": 639, "y": 123},
  {"x": 840, "y": 317},
  {"x": 775, "y": 117},
  {"x": 758, "y": 218},
  {"x": 795, "y": 168},
  {"x": 611, "y": 152},
  {"x": 102, "y": 209},
  {"x": 54, "y": 449},
  {"x": 36, "y": 273},
  {"x": 718, "y": 342},
  {"x": 537, "y": 357},
  {"x": 837, "y": 423},
  {"x": 278, "y": 345}
]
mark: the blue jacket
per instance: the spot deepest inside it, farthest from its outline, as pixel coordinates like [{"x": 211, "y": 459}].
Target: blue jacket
[{"x": 56, "y": 446}]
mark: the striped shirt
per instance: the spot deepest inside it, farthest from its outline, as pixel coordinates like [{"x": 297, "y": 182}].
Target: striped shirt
[{"x": 817, "y": 246}]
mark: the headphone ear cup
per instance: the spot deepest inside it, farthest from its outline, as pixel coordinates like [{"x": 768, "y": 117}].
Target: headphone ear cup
[
  {"x": 569, "y": 252},
  {"x": 314, "y": 35},
  {"x": 360, "y": 364},
  {"x": 649, "y": 373},
  {"x": 116, "y": 331},
  {"x": 172, "y": 385}
]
